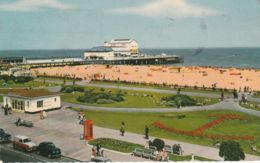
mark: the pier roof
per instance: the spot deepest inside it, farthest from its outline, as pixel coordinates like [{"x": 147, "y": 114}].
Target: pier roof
[{"x": 100, "y": 49}]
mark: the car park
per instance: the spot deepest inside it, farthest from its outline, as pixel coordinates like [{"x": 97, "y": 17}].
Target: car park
[
  {"x": 49, "y": 150},
  {"x": 4, "y": 137},
  {"x": 23, "y": 143}
]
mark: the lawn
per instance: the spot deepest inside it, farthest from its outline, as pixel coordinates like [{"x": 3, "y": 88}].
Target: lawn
[
  {"x": 188, "y": 89},
  {"x": 256, "y": 95},
  {"x": 116, "y": 145},
  {"x": 251, "y": 105},
  {"x": 174, "y": 157},
  {"x": 133, "y": 99},
  {"x": 56, "y": 79},
  {"x": 135, "y": 122},
  {"x": 27, "y": 84}
]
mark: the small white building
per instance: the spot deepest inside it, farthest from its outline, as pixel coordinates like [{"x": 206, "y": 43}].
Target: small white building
[
  {"x": 123, "y": 47},
  {"x": 99, "y": 53},
  {"x": 17, "y": 72},
  {"x": 32, "y": 100}
]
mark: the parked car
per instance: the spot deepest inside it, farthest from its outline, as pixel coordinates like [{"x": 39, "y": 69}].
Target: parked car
[
  {"x": 4, "y": 137},
  {"x": 48, "y": 149},
  {"x": 100, "y": 159},
  {"x": 25, "y": 123},
  {"x": 24, "y": 143}
]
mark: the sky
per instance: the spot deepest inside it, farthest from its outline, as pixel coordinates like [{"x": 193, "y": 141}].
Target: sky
[{"x": 82, "y": 24}]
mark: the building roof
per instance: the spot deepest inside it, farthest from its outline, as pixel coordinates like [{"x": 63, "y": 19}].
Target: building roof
[
  {"x": 100, "y": 49},
  {"x": 31, "y": 93},
  {"x": 121, "y": 41}
]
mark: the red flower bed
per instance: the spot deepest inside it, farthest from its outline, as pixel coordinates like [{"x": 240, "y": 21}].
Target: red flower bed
[{"x": 199, "y": 131}]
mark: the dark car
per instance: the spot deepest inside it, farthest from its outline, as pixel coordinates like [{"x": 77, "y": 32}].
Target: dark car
[
  {"x": 4, "y": 137},
  {"x": 49, "y": 150},
  {"x": 100, "y": 159}
]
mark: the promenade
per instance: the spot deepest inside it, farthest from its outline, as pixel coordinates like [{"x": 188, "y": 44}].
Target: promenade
[{"x": 63, "y": 129}]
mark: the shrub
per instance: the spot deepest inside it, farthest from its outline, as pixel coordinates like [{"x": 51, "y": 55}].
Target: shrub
[
  {"x": 93, "y": 97},
  {"x": 183, "y": 100},
  {"x": 231, "y": 151},
  {"x": 158, "y": 143}
]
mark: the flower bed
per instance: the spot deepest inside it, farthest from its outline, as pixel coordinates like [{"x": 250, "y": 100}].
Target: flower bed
[{"x": 199, "y": 131}]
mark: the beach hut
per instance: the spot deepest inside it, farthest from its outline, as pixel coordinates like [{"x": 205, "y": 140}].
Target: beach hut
[{"x": 31, "y": 100}]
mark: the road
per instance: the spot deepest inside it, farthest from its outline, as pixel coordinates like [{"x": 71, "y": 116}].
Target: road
[{"x": 8, "y": 154}]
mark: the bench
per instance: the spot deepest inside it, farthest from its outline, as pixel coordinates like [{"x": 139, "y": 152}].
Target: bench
[
  {"x": 149, "y": 153},
  {"x": 168, "y": 149},
  {"x": 146, "y": 153},
  {"x": 138, "y": 152}
]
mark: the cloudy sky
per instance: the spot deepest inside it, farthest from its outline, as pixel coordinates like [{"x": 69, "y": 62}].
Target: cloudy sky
[{"x": 72, "y": 24}]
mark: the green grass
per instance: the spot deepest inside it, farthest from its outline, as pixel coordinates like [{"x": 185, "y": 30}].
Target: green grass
[
  {"x": 251, "y": 105},
  {"x": 179, "y": 158},
  {"x": 133, "y": 99},
  {"x": 174, "y": 157},
  {"x": 256, "y": 95},
  {"x": 27, "y": 84},
  {"x": 116, "y": 145},
  {"x": 135, "y": 122},
  {"x": 57, "y": 79},
  {"x": 188, "y": 89},
  {"x": 1, "y": 98}
]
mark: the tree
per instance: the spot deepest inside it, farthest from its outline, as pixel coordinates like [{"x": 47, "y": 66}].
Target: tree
[{"x": 231, "y": 151}]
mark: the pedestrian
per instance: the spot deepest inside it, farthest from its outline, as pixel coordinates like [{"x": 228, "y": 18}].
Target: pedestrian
[
  {"x": 122, "y": 128},
  {"x": 44, "y": 114},
  {"x": 41, "y": 114},
  {"x": 98, "y": 146},
  {"x": 6, "y": 111},
  {"x": 18, "y": 122},
  {"x": 222, "y": 95},
  {"x": 102, "y": 152},
  {"x": 243, "y": 98},
  {"x": 81, "y": 118},
  {"x": 9, "y": 110},
  {"x": 146, "y": 130},
  {"x": 94, "y": 152}
]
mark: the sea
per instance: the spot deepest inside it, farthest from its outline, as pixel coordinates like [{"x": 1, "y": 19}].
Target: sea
[{"x": 220, "y": 57}]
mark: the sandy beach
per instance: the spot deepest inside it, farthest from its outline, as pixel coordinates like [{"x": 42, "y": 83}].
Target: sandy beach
[{"x": 229, "y": 78}]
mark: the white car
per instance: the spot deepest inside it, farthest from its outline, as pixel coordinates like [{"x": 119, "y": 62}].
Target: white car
[{"x": 23, "y": 143}]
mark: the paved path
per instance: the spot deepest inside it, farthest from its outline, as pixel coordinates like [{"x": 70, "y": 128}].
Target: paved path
[
  {"x": 63, "y": 129},
  {"x": 85, "y": 83},
  {"x": 228, "y": 104}
]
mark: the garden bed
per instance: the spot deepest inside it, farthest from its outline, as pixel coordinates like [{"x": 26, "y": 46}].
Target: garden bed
[{"x": 116, "y": 145}]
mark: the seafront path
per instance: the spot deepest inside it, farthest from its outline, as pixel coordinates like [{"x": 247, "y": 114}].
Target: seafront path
[{"x": 62, "y": 128}]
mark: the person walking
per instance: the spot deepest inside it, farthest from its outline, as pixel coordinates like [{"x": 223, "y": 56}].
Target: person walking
[
  {"x": 98, "y": 146},
  {"x": 122, "y": 128},
  {"x": 146, "y": 131},
  {"x": 41, "y": 114},
  {"x": 44, "y": 114}
]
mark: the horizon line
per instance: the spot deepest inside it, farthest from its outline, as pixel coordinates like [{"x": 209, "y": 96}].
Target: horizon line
[{"x": 210, "y": 47}]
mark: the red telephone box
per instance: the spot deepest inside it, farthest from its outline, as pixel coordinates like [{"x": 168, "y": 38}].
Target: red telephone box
[{"x": 88, "y": 130}]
